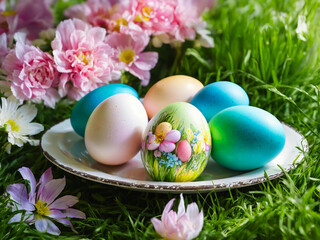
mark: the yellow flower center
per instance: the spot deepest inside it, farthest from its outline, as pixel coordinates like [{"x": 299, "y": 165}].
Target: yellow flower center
[
  {"x": 42, "y": 208},
  {"x": 13, "y": 124},
  {"x": 8, "y": 13},
  {"x": 145, "y": 14},
  {"x": 160, "y": 137},
  {"x": 120, "y": 22},
  {"x": 85, "y": 58},
  {"x": 127, "y": 56}
]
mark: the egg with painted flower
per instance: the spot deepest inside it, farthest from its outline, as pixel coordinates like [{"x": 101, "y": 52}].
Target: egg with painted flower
[{"x": 176, "y": 144}]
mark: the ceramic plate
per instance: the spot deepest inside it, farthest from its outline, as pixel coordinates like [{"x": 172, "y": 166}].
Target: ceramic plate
[{"x": 63, "y": 147}]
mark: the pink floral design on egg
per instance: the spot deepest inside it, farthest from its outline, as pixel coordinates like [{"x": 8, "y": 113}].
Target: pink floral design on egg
[
  {"x": 157, "y": 153},
  {"x": 184, "y": 151},
  {"x": 166, "y": 143}
]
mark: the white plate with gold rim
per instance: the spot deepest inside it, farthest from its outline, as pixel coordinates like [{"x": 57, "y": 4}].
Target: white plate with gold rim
[{"x": 64, "y": 148}]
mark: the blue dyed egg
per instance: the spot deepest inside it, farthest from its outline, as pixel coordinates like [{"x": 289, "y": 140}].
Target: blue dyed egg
[
  {"x": 245, "y": 137},
  {"x": 217, "y": 96},
  {"x": 83, "y": 109}
]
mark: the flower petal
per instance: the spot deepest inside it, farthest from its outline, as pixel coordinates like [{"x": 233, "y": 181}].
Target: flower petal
[
  {"x": 18, "y": 193},
  {"x": 16, "y": 218},
  {"x": 147, "y": 60},
  {"x": 159, "y": 227},
  {"x": 143, "y": 75},
  {"x": 56, "y": 214},
  {"x": 67, "y": 222},
  {"x": 170, "y": 223},
  {"x": 52, "y": 228},
  {"x": 41, "y": 224},
  {"x": 28, "y": 217},
  {"x": 166, "y": 146},
  {"x": 74, "y": 213},
  {"x": 64, "y": 202},
  {"x": 168, "y": 207},
  {"x": 152, "y": 144},
  {"x": 28, "y": 175},
  {"x": 173, "y": 136},
  {"x": 51, "y": 190},
  {"x": 192, "y": 211},
  {"x": 181, "y": 208},
  {"x": 44, "y": 179}
]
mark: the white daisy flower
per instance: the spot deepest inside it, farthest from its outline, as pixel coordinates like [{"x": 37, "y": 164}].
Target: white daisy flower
[{"x": 17, "y": 122}]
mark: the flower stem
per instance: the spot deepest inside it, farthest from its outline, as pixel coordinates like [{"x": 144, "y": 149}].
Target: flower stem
[{"x": 176, "y": 60}]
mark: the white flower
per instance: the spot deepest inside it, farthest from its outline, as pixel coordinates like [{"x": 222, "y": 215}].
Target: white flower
[
  {"x": 17, "y": 122},
  {"x": 302, "y": 28},
  {"x": 205, "y": 39}
]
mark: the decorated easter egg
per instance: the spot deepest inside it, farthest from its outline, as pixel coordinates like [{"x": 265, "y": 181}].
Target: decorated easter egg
[
  {"x": 172, "y": 89},
  {"x": 245, "y": 137},
  {"x": 83, "y": 109},
  {"x": 176, "y": 144},
  {"x": 114, "y": 130},
  {"x": 217, "y": 96}
]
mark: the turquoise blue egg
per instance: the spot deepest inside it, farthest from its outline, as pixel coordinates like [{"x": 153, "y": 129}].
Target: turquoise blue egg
[
  {"x": 245, "y": 137},
  {"x": 218, "y": 96},
  {"x": 83, "y": 109}
]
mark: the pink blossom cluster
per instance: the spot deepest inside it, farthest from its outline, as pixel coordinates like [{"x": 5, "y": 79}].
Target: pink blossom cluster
[
  {"x": 101, "y": 40},
  {"x": 168, "y": 21}
]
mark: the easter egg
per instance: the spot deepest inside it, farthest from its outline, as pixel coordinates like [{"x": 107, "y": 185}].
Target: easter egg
[
  {"x": 172, "y": 89},
  {"x": 114, "y": 130},
  {"x": 83, "y": 108},
  {"x": 176, "y": 144},
  {"x": 217, "y": 96},
  {"x": 245, "y": 137}
]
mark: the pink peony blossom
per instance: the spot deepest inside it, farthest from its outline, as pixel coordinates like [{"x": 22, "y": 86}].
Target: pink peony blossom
[
  {"x": 112, "y": 15},
  {"x": 30, "y": 16},
  {"x": 189, "y": 21},
  {"x": 154, "y": 16},
  {"x": 31, "y": 73},
  {"x": 95, "y": 12},
  {"x": 82, "y": 57},
  {"x": 129, "y": 55},
  {"x": 184, "y": 225},
  {"x": 165, "y": 143}
]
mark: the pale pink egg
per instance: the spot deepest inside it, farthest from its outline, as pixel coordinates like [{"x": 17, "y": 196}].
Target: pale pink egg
[
  {"x": 184, "y": 150},
  {"x": 114, "y": 130}
]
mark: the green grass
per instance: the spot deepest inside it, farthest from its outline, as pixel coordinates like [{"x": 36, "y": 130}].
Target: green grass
[{"x": 257, "y": 47}]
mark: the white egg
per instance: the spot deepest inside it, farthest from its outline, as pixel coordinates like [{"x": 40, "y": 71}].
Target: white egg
[{"x": 114, "y": 130}]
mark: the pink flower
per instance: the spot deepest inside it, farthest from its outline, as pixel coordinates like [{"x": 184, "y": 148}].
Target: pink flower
[
  {"x": 184, "y": 225},
  {"x": 157, "y": 153},
  {"x": 95, "y": 12},
  {"x": 83, "y": 58},
  {"x": 40, "y": 203},
  {"x": 30, "y": 16},
  {"x": 115, "y": 16},
  {"x": 154, "y": 16},
  {"x": 129, "y": 55},
  {"x": 189, "y": 21},
  {"x": 165, "y": 143},
  {"x": 31, "y": 73}
]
